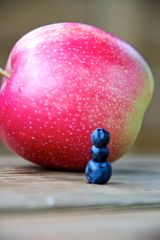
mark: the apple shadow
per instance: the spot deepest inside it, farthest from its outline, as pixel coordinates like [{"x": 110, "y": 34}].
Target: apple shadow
[{"x": 30, "y": 169}]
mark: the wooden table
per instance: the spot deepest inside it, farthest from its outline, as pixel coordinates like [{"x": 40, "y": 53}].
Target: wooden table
[{"x": 39, "y": 204}]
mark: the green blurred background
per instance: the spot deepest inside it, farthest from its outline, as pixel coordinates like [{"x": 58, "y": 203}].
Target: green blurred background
[{"x": 136, "y": 21}]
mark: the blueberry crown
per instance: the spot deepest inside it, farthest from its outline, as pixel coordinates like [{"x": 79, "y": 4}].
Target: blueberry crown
[{"x": 100, "y": 137}]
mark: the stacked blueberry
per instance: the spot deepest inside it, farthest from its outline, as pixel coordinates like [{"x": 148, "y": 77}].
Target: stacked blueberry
[{"x": 98, "y": 170}]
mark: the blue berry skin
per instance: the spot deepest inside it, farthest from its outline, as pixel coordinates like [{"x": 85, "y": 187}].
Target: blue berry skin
[
  {"x": 99, "y": 154},
  {"x": 98, "y": 173},
  {"x": 100, "y": 137}
]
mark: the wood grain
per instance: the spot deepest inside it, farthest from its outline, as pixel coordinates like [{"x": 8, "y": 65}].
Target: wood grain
[
  {"x": 38, "y": 204},
  {"x": 26, "y": 187},
  {"x": 89, "y": 225}
]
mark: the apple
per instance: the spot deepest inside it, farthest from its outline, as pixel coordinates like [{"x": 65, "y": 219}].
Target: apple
[{"x": 65, "y": 80}]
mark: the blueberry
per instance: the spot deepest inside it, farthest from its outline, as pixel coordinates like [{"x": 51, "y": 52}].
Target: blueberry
[
  {"x": 100, "y": 137},
  {"x": 97, "y": 172},
  {"x": 99, "y": 154}
]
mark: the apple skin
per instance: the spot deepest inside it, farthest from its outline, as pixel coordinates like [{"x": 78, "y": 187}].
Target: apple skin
[{"x": 66, "y": 80}]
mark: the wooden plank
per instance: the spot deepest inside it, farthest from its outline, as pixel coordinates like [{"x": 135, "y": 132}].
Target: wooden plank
[
  {"x": 88, "y": 225},
  {"x": 26, "y": 187}
]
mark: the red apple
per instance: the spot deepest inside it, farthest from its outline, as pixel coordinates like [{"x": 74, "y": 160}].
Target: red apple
[{"x": 66, "y": 80}]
